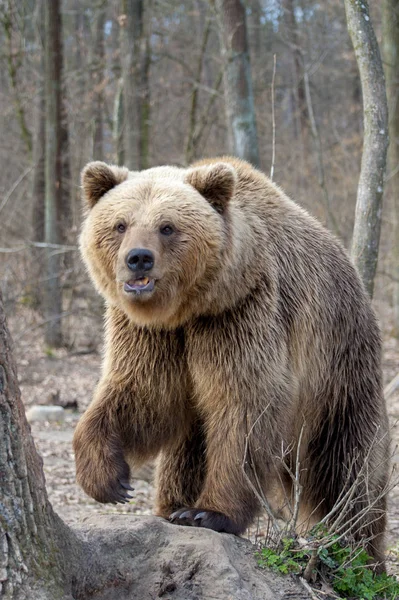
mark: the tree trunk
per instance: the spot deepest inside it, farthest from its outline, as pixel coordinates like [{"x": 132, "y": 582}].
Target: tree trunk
[
  {"x": 297, "y": 72},
  {"x": 190, "y": 152},
  {"x": 299, "y": 103},
  {"x": 8, "y": 14},
  {"x": 255, "y": 30},
  {"x": 98, "y": 79},
  {"x": 79, "y": 128},
  {"x": 144, "y": 89},
  {"x": 31, "y": 534},
  {"x": 53, "y": 171},
  {"x": 366, "y": 234},
  {"x": 38, "y": 194},
  {"x": 239, "y": 97},
  {"x": 390, "y": 47},
  {"x": 38, "y": 190},
  {"x": 132, "y": 31}
]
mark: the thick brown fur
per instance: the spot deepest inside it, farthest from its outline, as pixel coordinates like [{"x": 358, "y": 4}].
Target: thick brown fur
[{"x": 258, "y": 327}]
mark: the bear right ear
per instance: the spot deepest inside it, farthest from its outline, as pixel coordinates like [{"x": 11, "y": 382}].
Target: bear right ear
[{"x": 98, "y": 178}]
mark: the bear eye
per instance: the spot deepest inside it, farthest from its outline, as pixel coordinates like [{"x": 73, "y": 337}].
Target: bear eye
[
  {"x": 166, "y": 229},
  {"x": 121, "y": 227}
]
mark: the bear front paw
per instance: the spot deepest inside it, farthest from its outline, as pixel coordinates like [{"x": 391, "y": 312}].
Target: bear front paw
[
  {"x": 105, "y": 482},
  {"x": 199, "y": 517}
]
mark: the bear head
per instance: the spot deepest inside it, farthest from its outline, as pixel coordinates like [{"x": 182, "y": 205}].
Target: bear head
[{"x": 154, "y": 241}]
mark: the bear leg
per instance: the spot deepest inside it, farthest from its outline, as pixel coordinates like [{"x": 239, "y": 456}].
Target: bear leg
[
  {"x": 101, "y": 469},
  {"x": 227, "y": 502},
  {"x": 181, "y": 472}
]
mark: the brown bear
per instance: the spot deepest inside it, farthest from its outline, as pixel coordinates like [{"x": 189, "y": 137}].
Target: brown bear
[{"x": 235, "y": 326}]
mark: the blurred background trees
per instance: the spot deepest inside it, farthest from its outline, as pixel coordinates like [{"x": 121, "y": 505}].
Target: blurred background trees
[{"x": 155, "y": 82}]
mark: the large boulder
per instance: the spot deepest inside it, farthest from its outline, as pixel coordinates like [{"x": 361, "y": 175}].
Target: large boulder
[{"x": 139, "y": 558}]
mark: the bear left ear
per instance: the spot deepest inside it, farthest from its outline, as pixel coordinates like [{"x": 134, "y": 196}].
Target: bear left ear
[
  {"x": 215, "y": 182},
  {"x": 98, "y": 178}
]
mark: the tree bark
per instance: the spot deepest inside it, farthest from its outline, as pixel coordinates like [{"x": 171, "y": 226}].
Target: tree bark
[
  {"x": 390, "y": 46},
  {"x": 31, "y": 534},
  {"x": 144, "y": 88},
  {"x": 14, "y": 61},
  {"x": 239, "y": 96},
  {"x": 299, "y": 93},
  {"x": 38, "y": 191},
  {"x": 132, "y": 31},
  {"x": 53, "y": 171},
  {"x": 190, "y": 152},
  {"x": 98, "y": 79},
  {"x": 366, "y": 234}
]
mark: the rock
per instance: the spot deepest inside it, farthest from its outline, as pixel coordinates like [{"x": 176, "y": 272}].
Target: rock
[
  {"x": 135, "y": 558},
  {"x": 45, "y": 413}
]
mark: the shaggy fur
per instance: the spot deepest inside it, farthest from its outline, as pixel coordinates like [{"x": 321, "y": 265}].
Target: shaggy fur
[{"x": 257, "y": 327}]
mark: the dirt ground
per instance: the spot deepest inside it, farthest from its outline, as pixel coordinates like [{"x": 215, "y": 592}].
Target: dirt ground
[{"x": 68, "y": 377}]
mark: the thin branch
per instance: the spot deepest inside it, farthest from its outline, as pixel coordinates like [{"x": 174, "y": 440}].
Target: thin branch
[
  {"x": 14, "y": 187},
  {"x": 60, "y": 247},
  {"x": 262, "y": 500}
]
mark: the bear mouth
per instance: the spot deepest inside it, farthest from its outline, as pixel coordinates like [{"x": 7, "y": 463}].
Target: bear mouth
[{"x": 139, "y": 285}]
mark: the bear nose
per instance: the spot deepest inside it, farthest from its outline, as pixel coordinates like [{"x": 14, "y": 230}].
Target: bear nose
[{"x": 140, "y": 259}]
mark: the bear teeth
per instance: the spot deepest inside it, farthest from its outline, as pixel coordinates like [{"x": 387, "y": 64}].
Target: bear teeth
[{"x": 142, "y": 281}]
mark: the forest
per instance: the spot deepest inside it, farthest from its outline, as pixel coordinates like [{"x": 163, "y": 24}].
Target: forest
[{"x": 306, "y": 91}]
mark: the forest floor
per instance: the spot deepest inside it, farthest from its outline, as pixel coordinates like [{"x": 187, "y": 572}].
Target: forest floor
[{"x": 68, "y": 377}]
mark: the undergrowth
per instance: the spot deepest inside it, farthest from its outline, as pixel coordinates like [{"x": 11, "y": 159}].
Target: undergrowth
[{"x": 345, "y": 569}]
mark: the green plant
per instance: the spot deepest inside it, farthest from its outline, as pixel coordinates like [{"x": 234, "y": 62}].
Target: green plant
[
  {"x": 286, "y": 558},
  {"x": 347, "y": 569}
]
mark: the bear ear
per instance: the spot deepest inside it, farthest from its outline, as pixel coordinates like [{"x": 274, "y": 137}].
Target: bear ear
[
  {"x": 215, "y": 182},
  {"x": 98, "y": 178}
]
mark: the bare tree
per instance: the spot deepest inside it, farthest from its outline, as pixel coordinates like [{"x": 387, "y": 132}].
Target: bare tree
[
  {"x": 366, "y": 233},
  {"x": 390, "y": 45},
  {"x": 299, "y": 93},
  {"x": 14, "y": 63},
  {"x": 193, "y": 115},
  {"x": 53, "y": 170},
  {"x": 131, "y": 22},
  {"x": 38, "y": 188},
  {"x": 98, "y": 81},
  {"x": 144, "y": 88},
  {"x": 237, "y": 79}
]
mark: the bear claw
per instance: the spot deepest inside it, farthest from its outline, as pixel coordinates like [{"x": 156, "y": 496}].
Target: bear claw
[
  {"x": 126, "y": 485},
  {"x": 210, "y": 519}
]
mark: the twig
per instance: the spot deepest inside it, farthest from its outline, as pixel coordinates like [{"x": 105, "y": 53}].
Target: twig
[
  {"x": 297, "y": 485},
  {"x": 42, "y": 323},
  {"x": 14, "y": 187},
  {"x": 308, "y": 588},
  {"x": 60, "y": 247},
  {"x": 263, "y": 501}
]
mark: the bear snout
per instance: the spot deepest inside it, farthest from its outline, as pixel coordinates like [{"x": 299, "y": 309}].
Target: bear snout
[{"x": 140, "y": 260}]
